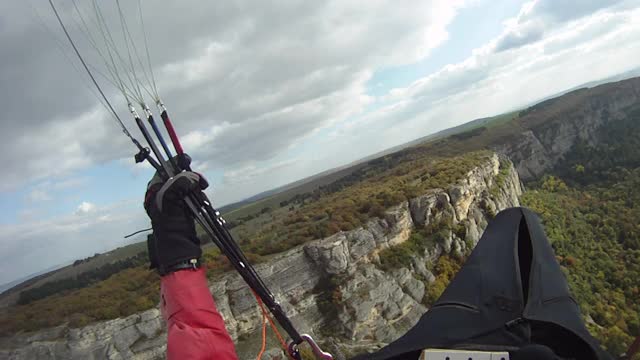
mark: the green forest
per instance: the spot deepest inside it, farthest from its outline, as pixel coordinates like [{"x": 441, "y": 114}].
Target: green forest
[
  {"x": 590, "y": 206},
  {"x": 595, "y": 234}
]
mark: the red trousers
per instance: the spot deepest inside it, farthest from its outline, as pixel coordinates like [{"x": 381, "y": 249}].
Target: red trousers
[{"x": 195, "y": 328}]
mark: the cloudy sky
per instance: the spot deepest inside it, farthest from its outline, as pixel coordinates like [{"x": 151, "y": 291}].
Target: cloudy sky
[{"x": 266, "y": 93}]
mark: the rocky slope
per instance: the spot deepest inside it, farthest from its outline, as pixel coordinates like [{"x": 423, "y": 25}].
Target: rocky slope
[
  {"x": 332, "y": 288},
  {"x": 554, "y": 126}
]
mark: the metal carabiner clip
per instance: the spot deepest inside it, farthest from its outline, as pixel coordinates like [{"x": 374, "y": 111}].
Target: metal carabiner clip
[{"x": 317, "y": 351}]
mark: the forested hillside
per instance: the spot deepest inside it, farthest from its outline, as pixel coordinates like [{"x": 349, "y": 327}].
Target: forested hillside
[
  {"x": 594, "y": 232},
  {"x": 590, "y": 206}
]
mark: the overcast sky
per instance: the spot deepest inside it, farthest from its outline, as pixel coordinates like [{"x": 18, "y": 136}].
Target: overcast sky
[{"x": 266, "y": 93}]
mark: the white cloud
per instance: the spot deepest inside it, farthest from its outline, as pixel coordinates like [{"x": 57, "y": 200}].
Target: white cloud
[
  {"x": 589, "y": 47},
  {"x": 491, "y": 82},
  {"x": 46, "y": 190},
  {"x": 70, "y": 183},
  {"x": 245, "y": 82},
  {"x": 85, "y": 208},
  {"x": 538, "y": 17},
  {"x": 38, "y": 195},
  {"x": 38, "y": 243},
  {"x": 575, "y": 50},
  {"x": 253, "y": 171},
  {"x": 28, "y": 215},
  {"x": 62, "y": 146}
]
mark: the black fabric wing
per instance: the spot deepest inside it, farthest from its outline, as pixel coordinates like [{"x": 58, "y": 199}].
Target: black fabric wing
[{"x": 510, "y": 293}]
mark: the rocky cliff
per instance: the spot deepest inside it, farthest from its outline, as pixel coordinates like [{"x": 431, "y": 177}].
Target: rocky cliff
[
  {"x": 334, "y": 288},
  {"x": 554, "y": 126}
]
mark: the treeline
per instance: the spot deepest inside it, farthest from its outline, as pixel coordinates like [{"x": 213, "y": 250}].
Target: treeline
[
  {"x": 123, "y": 294},
  {"x": 352, "y": 205},
  {"x": 469, "y": 134},
  {"x": 87, "y": 259},
  {"x": 371, "y": 168},
  {"x": 234, "y": 223},
  {"x": 83, "y": 279},
  {"x": 298, "y": 199}
]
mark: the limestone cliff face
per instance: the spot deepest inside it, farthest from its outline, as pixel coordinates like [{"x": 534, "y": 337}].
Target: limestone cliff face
[
  {"x": 332, "y": 288},
  {"x": 571, "y": 118}
]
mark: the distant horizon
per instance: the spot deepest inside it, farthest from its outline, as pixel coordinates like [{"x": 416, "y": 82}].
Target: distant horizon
[
  {"x": 632, "y": 74},
  {"x": 11, "y": 284}
]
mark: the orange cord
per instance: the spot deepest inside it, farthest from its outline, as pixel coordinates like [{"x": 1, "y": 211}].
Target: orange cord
[
  {"x": 264, "y": 337},
  {"x": 265, "y": 317},
  {"x": 278, "y": 335}
]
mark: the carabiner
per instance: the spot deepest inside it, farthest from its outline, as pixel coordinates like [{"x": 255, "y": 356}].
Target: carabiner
[{"x": 317, "y": 351}]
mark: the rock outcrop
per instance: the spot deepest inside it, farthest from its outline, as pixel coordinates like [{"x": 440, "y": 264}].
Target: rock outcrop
[
  {"x": 332, "y": 288},
  {"x": 555, "y": 126}
]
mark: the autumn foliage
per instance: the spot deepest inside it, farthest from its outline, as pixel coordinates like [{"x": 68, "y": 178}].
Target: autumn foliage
[{"x": 340, "y": 206}]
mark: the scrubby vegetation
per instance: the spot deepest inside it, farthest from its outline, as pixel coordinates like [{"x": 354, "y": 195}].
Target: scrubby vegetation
[
  {"x": 351, "y": 201},
  {"x": 446, "y": 268},
  {"x": 469, "y": 134},
  {"x": 82, "y": 280},
  {"x": 121, "y": 293},
  {"x": 421, "y": 239},
  {"x": 125, "y": 293}
]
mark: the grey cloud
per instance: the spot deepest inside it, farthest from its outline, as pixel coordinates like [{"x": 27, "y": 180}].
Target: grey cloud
[
  {"x": 436, "y": 100},
  {"x": 450, "y": 81},
  {"x": 54, "y": 148},
  {"x": 438, "y": 88},
  {"x": 566, "y": 10},
  {"x": 263, "y": 137},
  {"x": 594, "y": 30},
  {"x": 520, "y": 37},
  {"x": 263, "y": 58},
  {"x": 544, "y": 15},
  {"x": 47, "y": 190},
  {"x": 251, "y": 172},
  {"x": 38, "y": 245}
]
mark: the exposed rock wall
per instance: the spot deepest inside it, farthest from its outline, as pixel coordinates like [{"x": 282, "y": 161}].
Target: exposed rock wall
[
  {"x": 332, "y": 288},
  {"x": 572, "y": 118}
]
